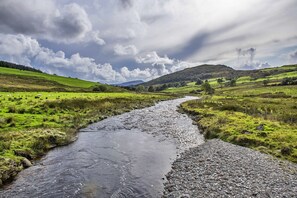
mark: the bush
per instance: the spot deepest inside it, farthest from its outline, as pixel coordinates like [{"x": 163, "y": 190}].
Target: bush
[
  {"x": 207, "y": 88},
  {"x": 100, "y": 88},
  {"x": 11, "y": 109}
]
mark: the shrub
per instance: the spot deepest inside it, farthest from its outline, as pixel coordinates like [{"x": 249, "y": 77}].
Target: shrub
[
  {"x": 100, "y": 88},
  {"x": 11, "y": 109}
]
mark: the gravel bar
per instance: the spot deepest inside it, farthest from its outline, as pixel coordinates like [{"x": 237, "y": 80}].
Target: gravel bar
[{"x": 220, "y": 169}]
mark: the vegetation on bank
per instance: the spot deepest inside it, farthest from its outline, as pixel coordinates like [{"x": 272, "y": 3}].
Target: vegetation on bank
[
  {"x": 33, "y": 122},
  {"x": 251, "y": 113}
]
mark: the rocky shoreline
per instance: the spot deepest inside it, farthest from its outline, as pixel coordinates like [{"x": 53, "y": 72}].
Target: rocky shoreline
[{"x": 220, "y": 169}]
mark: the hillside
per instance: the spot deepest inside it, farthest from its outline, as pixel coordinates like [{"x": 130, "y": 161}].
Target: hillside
[
  {"x": 21, "y": 78},
  {"x": 217, "y": 71},
  {"x": 17, "y": 66},
  {"x": 193, "y": 73}
]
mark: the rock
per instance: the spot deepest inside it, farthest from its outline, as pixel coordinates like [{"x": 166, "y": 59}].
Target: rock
[
  {"x": 286, "y": 150},
  {"x": 260, "y": 127},
  {"x": 222, "y": 169},
  {"x": 26, "y": 163},
  {"x": 246, "y": 132}
]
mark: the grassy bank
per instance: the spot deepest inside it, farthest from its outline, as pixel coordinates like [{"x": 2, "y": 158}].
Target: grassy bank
[
  {"x": 262, "y": 118},
  {"x": 31, "y": 123}
]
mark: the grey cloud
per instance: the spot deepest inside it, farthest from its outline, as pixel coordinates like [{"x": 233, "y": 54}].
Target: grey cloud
[
  {"x": 249, "y": 53},
  {"x": 293, "y": 57},
  {"x": 73, "y": 22},
  {"x": 191, "y": 47},
  {"x": 126, "y": 3},
  {"x": 20, "y": 17},
  {"x": 44, "y": 19}
]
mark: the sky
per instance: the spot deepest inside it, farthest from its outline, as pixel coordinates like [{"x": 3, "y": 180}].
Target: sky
[{"x": 113, "y": 41}]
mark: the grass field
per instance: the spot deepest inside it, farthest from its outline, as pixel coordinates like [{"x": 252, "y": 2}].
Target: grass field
[
  {"x": 20, "y": 80},
  {"x": 33, "y": 122},
  {"x": 249, "y": 114},
  {"x": 262, "y": 118}
]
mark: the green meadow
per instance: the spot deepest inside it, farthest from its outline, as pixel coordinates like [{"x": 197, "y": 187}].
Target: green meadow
[
  {"x": 22, "y": 80},
  {"x": 250, "y": 114}
]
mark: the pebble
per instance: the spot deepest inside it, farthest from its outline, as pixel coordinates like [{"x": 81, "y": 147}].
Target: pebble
[{"x": 221, "y": 169}]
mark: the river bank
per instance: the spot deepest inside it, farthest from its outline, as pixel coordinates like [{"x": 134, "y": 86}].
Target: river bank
[
  {"x": 32, "y": 123},
  {"x": 122, "y": 156},
  {"x": 221, "y": 169}
]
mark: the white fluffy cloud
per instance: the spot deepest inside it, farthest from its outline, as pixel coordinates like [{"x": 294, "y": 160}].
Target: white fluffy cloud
[
  {"x": 154, "y": 59},
  {"x": 125, "y": 50}
]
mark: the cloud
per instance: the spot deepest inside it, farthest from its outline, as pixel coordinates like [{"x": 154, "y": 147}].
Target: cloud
[
  {"x": 126, "y": 3},
  {"x": 154, "y": 59},
  {"x": 68, "y": 23},
  {"x": 136, "y": 74},
  {"x": 24, "y": 49},
  {"x": 293, "y": 57},
  {"x": 255, "y": 65},
  {"x": 71, "y": 22},
  {"x": 125, "y": 50},
  {"x": 246, "y": 60}
]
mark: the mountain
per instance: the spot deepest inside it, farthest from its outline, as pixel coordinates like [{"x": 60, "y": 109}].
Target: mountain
[
  {"x": 15, "y": 77},
  {"x": 131, "y": 83},
  {"x": 193, "y": 73},
  {"x": 217, "y": 71}
]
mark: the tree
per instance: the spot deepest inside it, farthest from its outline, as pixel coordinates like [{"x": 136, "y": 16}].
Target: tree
[
  {"x": 100, "y": 88},
  {"x": 182, "y": 84},
  {"x": 140, "y": 88},
  {"x": 206, "y": 87},
  {"x": 151, "y": 89},
  {"x": 199, "y": 81},
  {"x": 265, "y": 82},
  {"x": 231, "y": 83},
  {"x": 220, "y": 82}
]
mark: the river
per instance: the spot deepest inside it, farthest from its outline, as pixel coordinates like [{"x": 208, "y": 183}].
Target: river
[{"x": 122, "y": 156}]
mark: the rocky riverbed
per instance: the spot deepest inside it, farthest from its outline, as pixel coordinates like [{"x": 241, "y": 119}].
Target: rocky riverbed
[{"x": 220, "y": 169}]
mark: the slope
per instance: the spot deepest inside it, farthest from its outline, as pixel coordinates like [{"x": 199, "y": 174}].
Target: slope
[{"x": 12, "y": 79}]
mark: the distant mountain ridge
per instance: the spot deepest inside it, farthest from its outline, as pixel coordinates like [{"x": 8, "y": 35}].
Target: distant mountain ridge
[
  {"x": 193, "y": 73},
  {"x": 204, "y": 72},
  {"x": 130, "y": 83}
]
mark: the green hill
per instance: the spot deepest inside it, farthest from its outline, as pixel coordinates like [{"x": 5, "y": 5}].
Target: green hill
[
  {"x": 217, "y": 71},
  {"x": 22, "y": 78},
  {"x": 192, "y": 74}
]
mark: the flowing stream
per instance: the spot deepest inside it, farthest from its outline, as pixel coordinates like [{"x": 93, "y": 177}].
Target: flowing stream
[{"x": 123, "y": 156}]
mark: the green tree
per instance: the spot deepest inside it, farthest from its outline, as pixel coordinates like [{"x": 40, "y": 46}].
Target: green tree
[
  {"x": 140, "y": 88},
  {"x": 206, "y": 87},
  {"x": 199, "y": 81},
  {"x": 100, "y": 88},
  {"x": 151, "y": 89},
  {"x": 220, "y": 82},
  {"x": 265, "y": 82},
  {"x": 183, "y": 84}
]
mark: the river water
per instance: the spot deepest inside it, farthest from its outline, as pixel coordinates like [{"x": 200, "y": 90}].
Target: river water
[{"x": 123, "y": 156}]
